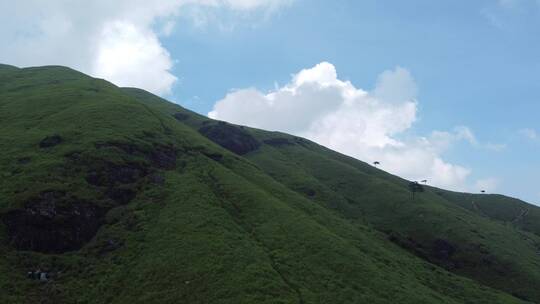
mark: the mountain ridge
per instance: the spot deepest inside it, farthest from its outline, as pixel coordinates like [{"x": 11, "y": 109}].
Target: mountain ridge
[{"x": 185, "y": 209}]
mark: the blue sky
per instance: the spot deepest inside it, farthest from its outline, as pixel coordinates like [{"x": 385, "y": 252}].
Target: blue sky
[
  {"x": 474, "y": 67},
  {"x": 476, "y": 63}
]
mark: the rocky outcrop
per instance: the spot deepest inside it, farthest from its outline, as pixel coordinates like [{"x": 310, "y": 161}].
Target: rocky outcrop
[
  {"x": 442, "y": 249},
  {"x": 50, "y": 141},
  {"x": 230, "y": 137},
  {"x": 109, "y": 174},
  {"x": 56, "y": 221},
  {"x": 163, "y": 157},
  {"x": 53, "y": 222}
]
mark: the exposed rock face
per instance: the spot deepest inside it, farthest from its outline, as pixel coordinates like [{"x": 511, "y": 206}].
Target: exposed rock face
[
  {"x": 56, "y": 222},
  {"x": 118, "y": 182},
  {"x": 230, "y": 137},
  {"x": 163, "y": 158},
  {"x": 121, "y": 195},
  {"x": 443, "y": 252},
  {"x": 50, "y": 141},
  {"x": 53, "y": 222},
  {"x": 156, "y": 179},
  {"x": 108, "y": 174},
  {"x": 442, "y": 249}
]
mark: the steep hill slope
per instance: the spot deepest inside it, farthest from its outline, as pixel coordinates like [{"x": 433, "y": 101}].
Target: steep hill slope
[
  {"x": 432, "y": 226},
  {"x": 121, "y": 197},
  {"x": 505, "y": 209}
]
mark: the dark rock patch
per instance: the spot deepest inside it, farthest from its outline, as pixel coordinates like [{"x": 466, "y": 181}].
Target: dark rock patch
[
  {"x": 520, "y": 296},
  {"x": 163, "y": 158},
  {"x": 108, "y": 174},
  {"x": 230, "y": 137},
  {"x": 310, "y": 192},
  {"x": 125, "y": 147},
  {"x": 121, "y": 181},
  {"x": 278, "y": 142},
  {"x": 442, "y": 249},
  {"x": 439, "y": 251},
  {"x": 38, "y": 275},
  {"x": 407, "y": 243},
  {"x": 16, "y": 171},
  {"x": 214, "y": 156},
  {"x": 53, "y": 222},
  {"x": 121, "y": 195},
  {"x": 156, "y": 179},
  {"x": 50, "y": 141},
  {"x": 180, "y": 116},
  {"x": 109, "y": 246},
  {"x": 23, "y": 160},
  {"x": 73, "y": 156}
]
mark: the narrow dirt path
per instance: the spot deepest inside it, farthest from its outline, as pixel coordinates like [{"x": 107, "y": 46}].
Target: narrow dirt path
[
  {"x": 477, "y": 209},
  {"x": 522, "y": 215}
]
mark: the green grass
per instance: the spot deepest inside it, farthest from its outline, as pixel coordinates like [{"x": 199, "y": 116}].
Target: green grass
[
  {"x": 294, "y": 223},
  {"x": 500, "y": 254},
  {"x": 509, "y": 211}
]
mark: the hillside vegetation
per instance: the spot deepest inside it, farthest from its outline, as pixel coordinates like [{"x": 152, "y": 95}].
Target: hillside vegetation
[{"x": 122, "y": 197}]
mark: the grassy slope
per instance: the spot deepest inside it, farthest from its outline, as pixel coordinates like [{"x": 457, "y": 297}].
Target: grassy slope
[
  {"x": 222, "y": 229},
  {"x": 489, "y": 251},
  {"x": 508, "y": 210}
]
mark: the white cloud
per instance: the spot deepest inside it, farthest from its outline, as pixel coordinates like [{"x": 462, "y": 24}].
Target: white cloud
[
  {"x": 254, "y": 4},
  {"x": 370, "y": 126},
  {"x": 464, "y": 133},
  {"x": 529, "y": 133},
  {"x": 495, "y": 147},
  {"x": 504, "y": 14},
  {"x": 167, "y": 28},
  {"x": 130, "y": 56},
  {"x": 395, "y": 86},
  {"x": 116, "y": 40}
]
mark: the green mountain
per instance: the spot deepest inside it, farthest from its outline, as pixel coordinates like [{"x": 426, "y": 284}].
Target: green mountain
[{"x": 114, "y": 195}]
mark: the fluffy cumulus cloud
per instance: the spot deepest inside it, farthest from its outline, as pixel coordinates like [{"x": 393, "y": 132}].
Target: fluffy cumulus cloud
[
  {"x": 133, "y": 56},
  {"x": 117, "y": 40},
  {"x": 369, "y": 125}
]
